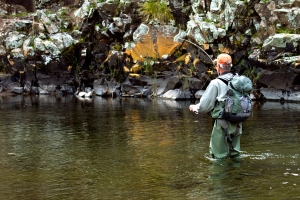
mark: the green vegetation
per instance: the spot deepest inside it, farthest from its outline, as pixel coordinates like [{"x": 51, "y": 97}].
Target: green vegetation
[
  {"x": 178, "y": 53},
  {"x": 64, "y": 29},
  {"x": 3, "y": 67},
  {"x": 48, "y": 12},
  {"x": 117, "y": 47},
  {"x": 185, "y": 82},
  {"x": 20, "y": 15},
  {"x": 253, "y": 74},
  {"x": 287, "y": 31},
  {"x": 147, "y": 66},
  {"x": 154, "y": 88},
  {"x": 81, "y": 40},
  {"x": 61, "y": 13},
  {"x": 113, "y": 73},
  {"x": 75, "y": 27},
  {"x": 158, "y": 10},
  {"x": 91, "y": 7}
]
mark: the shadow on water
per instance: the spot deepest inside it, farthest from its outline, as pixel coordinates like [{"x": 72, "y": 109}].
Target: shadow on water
[{"x": 65, "y": 148}]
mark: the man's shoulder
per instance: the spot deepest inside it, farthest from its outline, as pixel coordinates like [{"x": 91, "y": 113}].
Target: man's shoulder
[{"x": 227, "y": 76}]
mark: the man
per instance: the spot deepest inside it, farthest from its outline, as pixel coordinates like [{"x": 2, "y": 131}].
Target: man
[{"x": 225, "y": 137}]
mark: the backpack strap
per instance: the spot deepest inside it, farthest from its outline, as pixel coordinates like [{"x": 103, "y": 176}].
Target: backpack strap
[
  {"x": 223, "y": 80},
  {"x": 226, "y": 82}
]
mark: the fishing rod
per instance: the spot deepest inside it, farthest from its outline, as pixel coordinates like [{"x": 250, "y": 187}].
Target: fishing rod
[
  {"x": 196, "y": 46},
  {"x": 184, "y": 40}
]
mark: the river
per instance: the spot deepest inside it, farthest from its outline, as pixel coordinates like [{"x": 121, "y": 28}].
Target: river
[{"x": 60, "y": 147}]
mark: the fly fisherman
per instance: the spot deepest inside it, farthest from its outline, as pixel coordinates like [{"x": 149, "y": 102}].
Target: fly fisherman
[{"x": 225, "y": 136}]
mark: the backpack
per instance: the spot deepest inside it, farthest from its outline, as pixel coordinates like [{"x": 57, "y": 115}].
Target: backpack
[{"x": 238, "y": 103}]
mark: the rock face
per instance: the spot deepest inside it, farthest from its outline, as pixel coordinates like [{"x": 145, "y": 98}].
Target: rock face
[
  {"x": 87, "y": 43},
  {"x": 153, "y": 41}
]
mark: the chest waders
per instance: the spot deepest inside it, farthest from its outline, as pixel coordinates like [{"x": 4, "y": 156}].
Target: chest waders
[{"x": 228, "y": 137}]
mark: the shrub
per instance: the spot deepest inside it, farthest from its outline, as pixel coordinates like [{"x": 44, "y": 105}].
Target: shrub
[{"x": 159, "y": 10}]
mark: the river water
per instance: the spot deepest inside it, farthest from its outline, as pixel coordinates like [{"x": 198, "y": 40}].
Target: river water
[{"x": 130, "y": 148}]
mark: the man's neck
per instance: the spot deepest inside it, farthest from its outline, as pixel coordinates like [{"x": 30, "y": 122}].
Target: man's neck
[{"x": 225, "y": 72}]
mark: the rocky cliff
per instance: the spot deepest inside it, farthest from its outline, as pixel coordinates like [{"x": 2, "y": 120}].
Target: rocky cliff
[{"x": 148, "y": 48}]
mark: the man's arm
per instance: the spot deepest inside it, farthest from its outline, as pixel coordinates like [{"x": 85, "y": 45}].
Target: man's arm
[{"x": 207, "y": 101}]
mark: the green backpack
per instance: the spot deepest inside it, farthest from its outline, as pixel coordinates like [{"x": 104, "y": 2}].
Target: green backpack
[{"x": 238, "y": 105}]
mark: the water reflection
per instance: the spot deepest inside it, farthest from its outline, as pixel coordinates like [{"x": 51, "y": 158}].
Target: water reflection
[{"x": 59, "y": 147}]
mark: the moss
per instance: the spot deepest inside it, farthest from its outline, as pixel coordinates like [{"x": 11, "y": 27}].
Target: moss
[
  {"x": 91, "y": 6},
  {"x": 63, "y": 29},
  {"x": 48, "y": 12},
  {"x": 117, "y": 47},
  {"x": 287, "y": 31},
  {"x": 75, "y": 27},
  {"x": 81, "y": 40}
]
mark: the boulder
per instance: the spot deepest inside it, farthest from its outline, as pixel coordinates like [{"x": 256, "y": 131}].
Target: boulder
[
  {"x": 14, "y": 40},
  {"x": 153, "y": 41},
  {"x": 130, "y": 90},
  {"x": 28, "y": 50},
  {"x": 50, "y": 21},
  {"x": 145, "y": 92},
  {"x": 106, "y": 88},
  {"x": 17, "y": 90},
  {"x": 177, "y": 94},
  {"x": 282, "y": 42},
  {"x": 276, "y": 79},
  {"x": 288, "y": 17},
  {"x": 63, "y": 40}
]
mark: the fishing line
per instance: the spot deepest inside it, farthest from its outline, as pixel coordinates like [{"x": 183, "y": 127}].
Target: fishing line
[
  {"x": 184, "y": 40},
  {"x": 198, "y": 47}
]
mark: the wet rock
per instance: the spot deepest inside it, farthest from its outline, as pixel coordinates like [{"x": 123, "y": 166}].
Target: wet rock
[
  {"x": 17, "y": 90},
  {"x": 145, "y": 92},
  {"x": 67, "y": 89},
  {"x": 177, "y": 94},
  {"x": 280, "y": 95},
  {"x": 43, "y": 92},
  {"x": 276, "y": 79},
  {"x": 27, "y": 87},
  {"x": 101, "y": 90},
  {"x": 130, "y": 90},
  {"x": 106, "y": 88}
]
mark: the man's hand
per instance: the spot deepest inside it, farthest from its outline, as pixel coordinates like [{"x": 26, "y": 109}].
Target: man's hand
[{"x": 192, "y": 108}]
